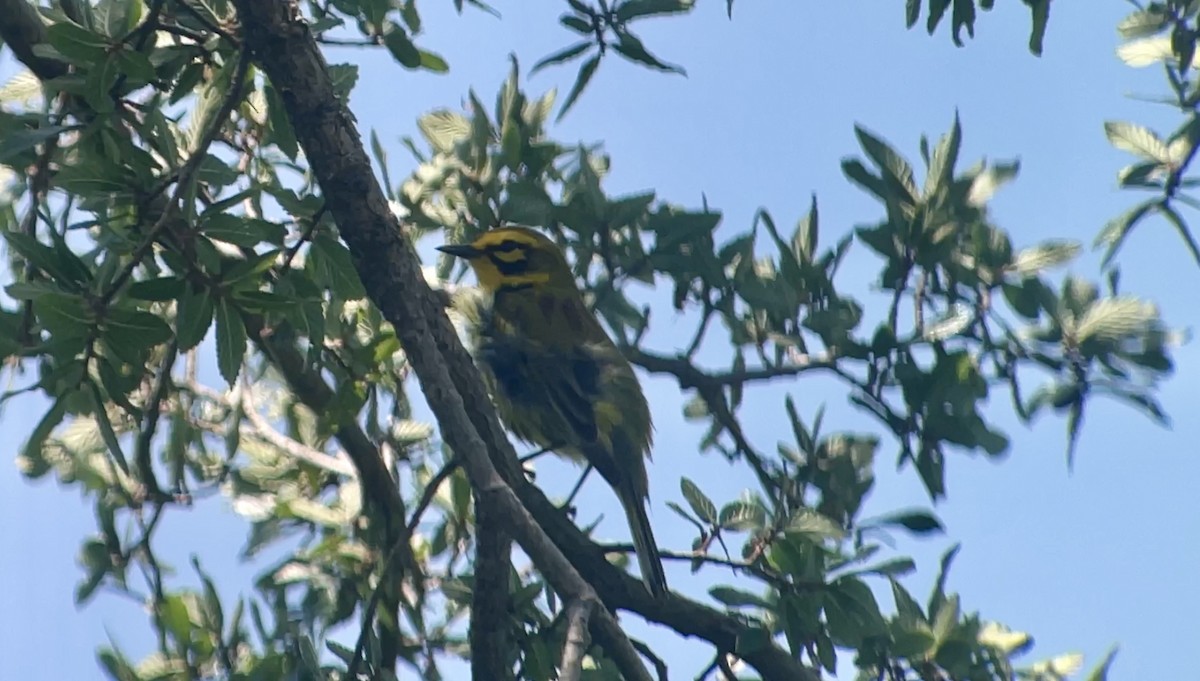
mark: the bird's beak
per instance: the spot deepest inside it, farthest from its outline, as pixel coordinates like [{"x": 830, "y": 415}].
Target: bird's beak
[{"x": 464, "y": 251}]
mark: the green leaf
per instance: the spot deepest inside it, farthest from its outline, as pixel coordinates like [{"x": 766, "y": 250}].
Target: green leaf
[
  {"x": 1115, "y": 319},
  {"x": 632, "y": 48},
  {"x": 443, "y": 129},
  {"x": 737, "y": 598},
  {"x": 560, "y": 57},
  {"x": 585, "y": 75},
  {"x": 64, "y": 315},
  {"x": 1045, "y": 255},
  {"x": 1116, "y": 230},
  {"x": 116, "y": 17},
  {"x": 176, "y": 619},
  {"x": 135, "y": 66},
  {"x": 343, "y": 77},
  {"x": 433, "y": 62},
  {"x": 335, "y": 265},
  {"x": 633, "y": 9},
  {"x": 1144, "y": 23},
  {"x": 700, "y": 503},
  {"x": 856, "y": 172},
  {"x": 242, "y": 231},
  {"x": 750, "y": 641},
  {"x": 914, "y": 640},
  {"x": 938, "y": 595},
  {"x": 94, "y": 180},
  {"x": 49, "y": 421},
  {"x": 915, "y": 521},
  {"x": 897, "y": 567},
  {"x": 988, "y": 182},
  {"x": 907, "y": 608},
  {"x": 107, "y": 432},
  {"x": 858, "y": 602},
  {"x": 212, "y": 603},
  {"x": 955, "y": 321},
  {"x": 695, "y": 408},
  {"x": 742, "y": 516},
  {"x": 402, "y": 48},
  {"x": 231, "y": 340},
  {"x": 116, "y": 664},
  {"x": 945, "y": 156},
  {"x": 118, "y": 385},
  {"x": 193, "y": 316},
  {"x": 279, "y": 126},
  {"x": 79, "y": 45},
  {"x": 412, "y": 18},
  {"x": 1100, "y": 673},
  {"x": 135, "y": 328},
  {"x": 804, "y": 241},
  {"x": 963, "y": 16},
  {"x": 1137, "y": 140},
  {"x": 894, "y": 166},
  {"x": 95, "y": 559},
  {"x": 251, "y": 268},
  {"x": 268, "y": 301},
  {"x": 578, "y": 24},
  {"x": 160, "y": 289},
  {"x": 59, "y": 264},
  {"x": 685, "y": 515},
  {"x": 18, "y": 141},
  {"x": 812, "y": 524}
]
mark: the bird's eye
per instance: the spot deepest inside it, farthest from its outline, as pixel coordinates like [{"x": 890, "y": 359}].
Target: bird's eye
[{"x": 508, "y": 246}]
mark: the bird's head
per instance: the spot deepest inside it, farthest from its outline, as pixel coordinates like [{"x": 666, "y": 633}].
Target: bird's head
[{"x": 514, "y": 257}]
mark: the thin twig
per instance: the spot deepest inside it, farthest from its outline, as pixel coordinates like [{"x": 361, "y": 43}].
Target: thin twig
[
  {"x": 431, "y": 491},
  {"x": 143, "y": 459},
  {"x": 298, "y": 450},
  {"x": 578, "y": 486},
  {"x": 660, "y": 667}
]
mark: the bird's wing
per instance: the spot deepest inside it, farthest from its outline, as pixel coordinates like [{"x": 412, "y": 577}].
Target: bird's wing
[
  {"x": 571, "y": 380},
  {"x": 566, "y": 380}
]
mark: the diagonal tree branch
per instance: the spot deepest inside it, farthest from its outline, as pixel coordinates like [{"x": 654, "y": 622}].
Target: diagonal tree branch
[{"x": 577, "y": 640}]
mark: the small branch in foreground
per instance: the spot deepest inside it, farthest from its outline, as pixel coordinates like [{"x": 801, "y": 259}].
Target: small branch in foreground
[
  {"x": 660, "y": 667},
  {"x": 369, "y": 613},
  {"x": 293, "y": 448},
  {"x": 143, "y": 457},
  {"x": 430, "y": 492},
  {"x": 577, "y": 640},
  {"x": 735, "y": 565}
]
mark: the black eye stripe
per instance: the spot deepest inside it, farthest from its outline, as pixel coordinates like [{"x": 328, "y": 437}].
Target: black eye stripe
[
  {"x": 507, "y": 246},
  {"x": 509, "y": 268}
]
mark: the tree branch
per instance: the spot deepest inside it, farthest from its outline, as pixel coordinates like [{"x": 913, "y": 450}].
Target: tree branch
[
  {"x": 691, "y": 377},
  {"x": 577, "y": 640},
  {"x": 293, "y": 448}
]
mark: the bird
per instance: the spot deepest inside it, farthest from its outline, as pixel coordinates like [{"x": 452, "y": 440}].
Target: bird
[{"x": 558, "y": 380}]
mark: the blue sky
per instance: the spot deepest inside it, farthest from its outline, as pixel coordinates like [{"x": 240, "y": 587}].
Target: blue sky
[{"x": 1082, "y": 560}]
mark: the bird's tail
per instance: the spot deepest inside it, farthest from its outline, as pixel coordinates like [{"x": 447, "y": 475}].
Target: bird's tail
[{"x": 644, "y": 544}]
